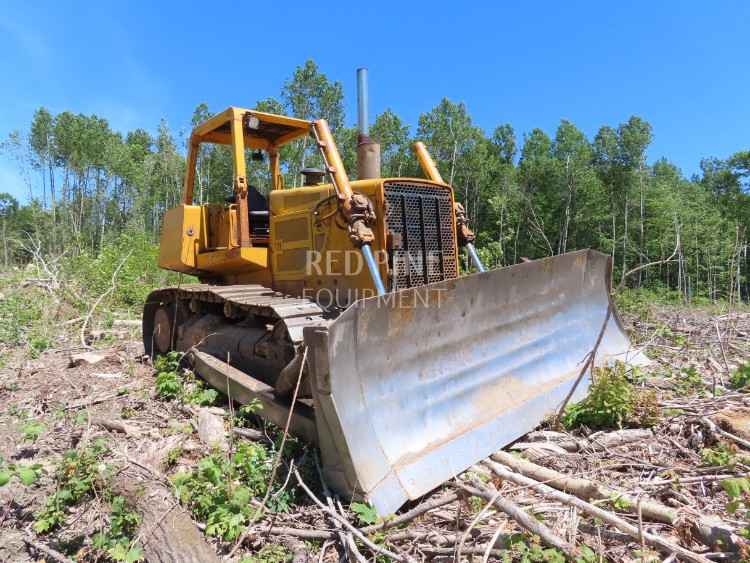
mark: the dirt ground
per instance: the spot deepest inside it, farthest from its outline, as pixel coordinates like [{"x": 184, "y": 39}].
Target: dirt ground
[{"x": 695, "y": 351}]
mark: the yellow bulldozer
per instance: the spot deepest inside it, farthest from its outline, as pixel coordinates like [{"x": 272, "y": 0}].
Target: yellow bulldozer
[{"x": 345, "y": 302}]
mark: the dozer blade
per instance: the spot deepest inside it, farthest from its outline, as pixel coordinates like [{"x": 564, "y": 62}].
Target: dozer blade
[{"x": 413, "y": 387}]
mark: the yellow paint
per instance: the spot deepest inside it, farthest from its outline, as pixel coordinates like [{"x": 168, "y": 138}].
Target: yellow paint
[
  {"x": 213, "y": 241},
  {"x": 180, "y": 238}
]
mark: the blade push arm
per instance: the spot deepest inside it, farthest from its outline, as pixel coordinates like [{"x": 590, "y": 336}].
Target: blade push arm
[{"x": 356, "y": 208}]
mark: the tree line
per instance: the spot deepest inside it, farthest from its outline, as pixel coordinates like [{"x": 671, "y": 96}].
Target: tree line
[{"x": 528, "y": 197}]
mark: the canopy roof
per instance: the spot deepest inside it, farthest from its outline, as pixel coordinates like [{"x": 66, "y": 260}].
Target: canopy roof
[{"x": 261, "y": 130}]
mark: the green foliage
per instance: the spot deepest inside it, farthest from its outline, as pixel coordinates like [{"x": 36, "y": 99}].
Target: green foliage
[
  {"x": 78, "y": 475},
  {"x": 366, "y": 514},
  {"x": 620, "y": 503},
  {"x": 613, "y": 402},
  {"x": 37, "y": 345},
  {"x": 740, "y": 377},
  {"x": 82, "y": 475},
  {"x": 135, "y": 255},
  {"x": 173, "y": 382},
  {"x": 722, "y": 454},
  {"x": 200, "y": 396},
  {"x": 173, "y": 456},
  {"x": 18, "y": 314},
  {"x": 566, "y": 191},
  {"x": 476, "y": 503},
  {"x": 738, "y": 491},
  {"x": 688, "y": 381},
  {"x": 609, "y": 403},
  {"x": 245, "y": 415},
  {"x": 168, "y": 385},
  {"x": 31, "y": 430},
  {"x": 117, "y": 540},
  {"x": 218, "y": 490},
  {"x": 27, "y": 474},
  {"x": 269, "y": 553},
  {"x": 528, "y": 549}
]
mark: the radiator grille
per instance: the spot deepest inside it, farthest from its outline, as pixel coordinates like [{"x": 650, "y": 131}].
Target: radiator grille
[{"x": 419, "y": 220}]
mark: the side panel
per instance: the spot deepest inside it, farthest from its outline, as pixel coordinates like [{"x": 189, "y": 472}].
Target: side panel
[
  {"x": 180, "y": 238},
  {"x": 312, "y": 255},
  {"x": 291, "y": 240}
]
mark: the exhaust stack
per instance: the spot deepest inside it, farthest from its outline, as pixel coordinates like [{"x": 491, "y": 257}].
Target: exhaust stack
[{"x": 368, "y": 152}]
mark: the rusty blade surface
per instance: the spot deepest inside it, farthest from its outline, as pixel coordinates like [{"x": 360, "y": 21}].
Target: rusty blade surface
[{"x": 427, "y": 381}]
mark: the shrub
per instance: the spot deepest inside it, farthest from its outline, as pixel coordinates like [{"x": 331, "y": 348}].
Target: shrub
[
  {"x": 612, "y": 402},
  {"x": 19, "y": 312},
  {"x": 740, "y": 378},
  {"x": 137, "y": 276}
]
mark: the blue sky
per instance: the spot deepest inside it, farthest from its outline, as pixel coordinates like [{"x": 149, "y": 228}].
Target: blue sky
[{"x": 683, "y": 66}]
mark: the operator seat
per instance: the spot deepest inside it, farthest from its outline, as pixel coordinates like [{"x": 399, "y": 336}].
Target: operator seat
[{"x": 257, "y": 203}]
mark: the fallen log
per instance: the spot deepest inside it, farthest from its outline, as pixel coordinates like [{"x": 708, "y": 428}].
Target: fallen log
[
  {"x": 707, "y": 531},
  {"x": 597, "y": 441},
  {"x": 584, "y": 488},
  {"x": 523, "y": 518},
  {"x": 634, "y": 532},
  {"x": 167, "y": 532}
]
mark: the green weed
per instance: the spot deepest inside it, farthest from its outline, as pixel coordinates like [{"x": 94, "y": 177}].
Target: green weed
[
  {"x": 31, "y": 430},
  {"x": 27, "y": 474},
  {"x": 168, "y": 381},
  {"x": 688, "y": 381},
  {"x": 19, "y": 312},
  {"x": 37, "y": 345},
  {"x": 218, "y": 491},
  {"x": 174, "y": 382},
  {"x": 269, "y": 553},
  {"x": 366, "y": 514},
  {"x": 527, "y": 549},
  {"x": 722, "y": 454},
  {"x": 117, "y": 540},
  {"x": 738, "y": 490},
  {"x": 173, "y": 456},
  {"x": 612, "y": 402},
  {"x": 78, "y": 475},
  {"x": 740, "y": 378},
  {"x": 244, "y": 416}
]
